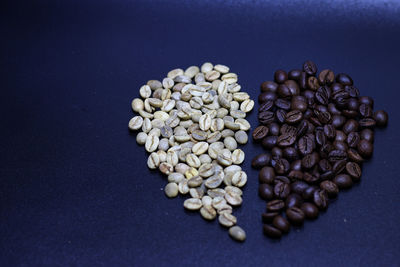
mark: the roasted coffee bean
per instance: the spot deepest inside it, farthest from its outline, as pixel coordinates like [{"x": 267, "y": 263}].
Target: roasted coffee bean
[
  {"x": 282, "y": 190},
  {"x": 326, "y": 77},
  {"x": 353, "y": 138},
  {"x": 320, "y": 137},
  {"x": 260, "y": 132},
  {"x": 354, "y": 170},
  {"x": 267, "y": 217},
  {"x": 338, "y": 166},
  {"x": 261, "y": 160},
  {"x": 320, "y": 199},
  {"x": 329, "y": 131},
  {"x": 366, "y": 100},
  {"x": 310, "y": 68},
  {"x": 299, "y": 103},
  {"x": 322, "y": 95},
  {"x": 365, "y": 110},
  {"x": 295, "y": 175},
  {"x": 310, "y": 178},
  {"x": 353, "y": 104},
  {"x": 354, "y": 155},
  {"x": 285, "y": 140},
  {"x": 281, "y": 223},
  {"x": 344, "y": 79},
  {"x": 280, "y": 76},
  {"x": 266, "y": 117},
  {"x": 265, "y": 191},
  {"x": 271, "y": 231},
  {"x": 367, "y": 134},
  {"x": 308, "y": 193},
  {"x": 275, "y": 205},
  {"x": 330, "y": 187},
  {"x": 343, "y": 181},
  {"x": 293, "y": 87},
  {"x": 310, "y": 210},
  {"x": 353, "y": 91},
  {"x": 367, "y": 123},
  {"x": 294, "y": 74},
  {"x": 269, "y": 86},
  {"x": 303, "y": 80},
  {"x": 276, "y": 152},
  {"x": 296, "y": 165},
  {"x": 339, "y": 145},
  {"x": 294, "y": 116},
  {"x": 293, "y": 200},
  {"x": 338, "y": 121},
  {"x": 312, "y": 83},
  {"x": 269, "y": 142},
  {"x": 266, "y": 96},
  {"x": 266, "y": 106},
  {"x": 324, "y": 165},
  {"x": 365, "y": 148},
  {"x": 381, "y": 118},
  {"x": 274, "y": 129},
  {"x": 299, "y": 187},
  {"x": 337, "y": 155},
  {"x": 280, "y": 115},
  {"x": 302, "y": 128},
  {"x": 295, "y": 215},
  {"x": 310, "y": 160},
  {"x": 282, "y": 104},
  {"x": 305, "y": 145},
  {"x": 266, "y": 175},
  {"x": 281, "y": 166},
  {"x": 290, "y": 153}
]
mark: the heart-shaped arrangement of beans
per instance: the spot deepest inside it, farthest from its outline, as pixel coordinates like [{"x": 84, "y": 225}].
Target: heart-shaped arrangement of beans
[{"x": 319, "y": 130}]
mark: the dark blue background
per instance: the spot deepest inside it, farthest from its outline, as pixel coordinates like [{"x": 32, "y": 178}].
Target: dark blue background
[{"x": 74, "y": 186}]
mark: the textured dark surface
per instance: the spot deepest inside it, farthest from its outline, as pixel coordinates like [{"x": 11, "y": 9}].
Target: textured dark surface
[{"x": 74, "y": 186}]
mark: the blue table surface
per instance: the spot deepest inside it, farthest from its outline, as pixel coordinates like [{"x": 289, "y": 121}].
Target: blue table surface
[{"x": 75, "y": 189}]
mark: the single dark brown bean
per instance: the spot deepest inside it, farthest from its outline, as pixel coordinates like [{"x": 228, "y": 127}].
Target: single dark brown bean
[
  {"x": 308, "y": 192},
  {"x": 306, "y": 145},
  {"x": 299, "y": 187},
  {"x": 265, "y": 191},
  {"x": 266, "y": 96},
  {"x": 282, "y": 190},
  {"x": 343, "y": 181},
  {"x": 344, "y": 79},
  {"x": 267, "y": 105},
  {"x": 299, "y": 103},
  {"x": 354, "y": 170},
  {"x": 269, "y": 86},
  {"x": 261, "y": 160},
  {"x": 281, "y": 223},
  {"x": 312, "y": 83},
  {"x": 271, "y": 231},
  {"x": 310, "y": 210},
  {"x": 293, "y": 200},
  {"x": 381, "y": 118},
  {"x": 353, "y": 91},
  {"x": 266, "y": 175},
  {"x": 365, "y": 148},
  {"x": 280, "y": 115},
  {"x": 329, "y": 131},
  {"x": 338, "y": 166},
  {"x": 267, "y": 217},
  {"x": 280, "y": 76},
  {"x": 310, "y": 68},
  {"x": 295, "y": 215},
  {"x": 353, "y": 104},
  {"x": 367, "y": 134},
  {"x": 365, "y": 110},
  {"x": 275, "y": 205},
  {"x": 266, "y": 117},
  {"x": 269, "y": 142},
  {"x": 366, "y": 100},
  {"x": 354, "y": 156},
  {"x": 276, "y": 152},
  {"x": 326, "y": 77},
  {"x": 285, "y": 140},
  {"x": 290, "y": 153},
  {"x": 294, "y": 116},
  {"x": 294, "y": 74},
  {"x": 320, "y": 198},
  {"x": 283, "y": 104},
  {"x": 330, "y": 187},
  {"x": 303, "y": 80},
  {"x": 282, "y": 166},
  {"x": 293, "y": 87},
  {"x": 367, "y": 123},
  {"x": 353, "y": 138},
  {"x": 338, "y": 121},
  {"x": 260, "y": 132}
]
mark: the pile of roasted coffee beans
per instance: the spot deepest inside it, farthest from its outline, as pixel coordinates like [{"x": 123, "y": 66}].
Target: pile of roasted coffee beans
[{"x": 318, "y": 131}]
